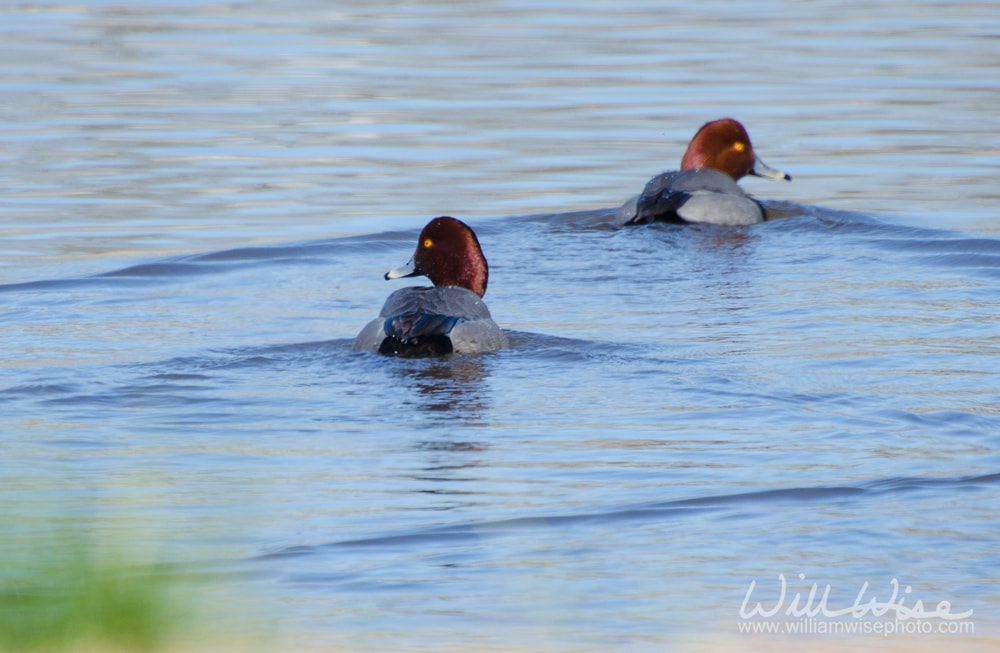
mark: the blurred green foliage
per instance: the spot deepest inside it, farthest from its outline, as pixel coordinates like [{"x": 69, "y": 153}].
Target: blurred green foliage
[{"x": 70, "y": 595}]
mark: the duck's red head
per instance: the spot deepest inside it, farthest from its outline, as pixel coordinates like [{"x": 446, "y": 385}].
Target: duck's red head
[
  {"x": 448, "y": 253},
  {"x": 725, "y": 146}
]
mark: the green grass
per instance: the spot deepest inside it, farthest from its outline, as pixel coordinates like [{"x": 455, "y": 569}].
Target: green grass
[{"x": 70, "y": 595}]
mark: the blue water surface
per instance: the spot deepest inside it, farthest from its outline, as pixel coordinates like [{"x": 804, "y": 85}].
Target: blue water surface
[{"x": 201, "y": 200}]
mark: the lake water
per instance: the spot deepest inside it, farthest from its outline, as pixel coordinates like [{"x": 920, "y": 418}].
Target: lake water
[{"x": 199, "y": 202}]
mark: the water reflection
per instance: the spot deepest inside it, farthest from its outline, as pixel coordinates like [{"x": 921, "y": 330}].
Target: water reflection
[
  {"x": 447, "y": 470},
  {"x": 723, "y": 262},
  {"x": 455, "y": 393},
  {"x": 454, "y": 388}
]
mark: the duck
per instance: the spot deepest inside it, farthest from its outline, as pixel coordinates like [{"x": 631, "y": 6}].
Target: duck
[
  {"x": 705, "y": 189},
  {"x": 449, "y": 317}
]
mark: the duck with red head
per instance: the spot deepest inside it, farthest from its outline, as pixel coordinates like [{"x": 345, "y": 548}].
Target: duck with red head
[
  {"x": 705, "y": 188},
  {"x": 449, "y": 317}
]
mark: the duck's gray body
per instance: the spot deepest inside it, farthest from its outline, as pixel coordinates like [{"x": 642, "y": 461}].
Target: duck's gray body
[
  {"x": 704, "y": 195},
  {"x": 432, "y": 321}
]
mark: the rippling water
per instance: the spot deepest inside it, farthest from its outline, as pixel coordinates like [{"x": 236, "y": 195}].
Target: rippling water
[{"x": 200, "y": 200}]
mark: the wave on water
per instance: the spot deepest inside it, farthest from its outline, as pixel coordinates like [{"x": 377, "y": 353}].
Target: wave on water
[
  {"x": 933, "y": 246},
  {"x": 316, "y": 252},
  {"x": 654, "y": 511}
]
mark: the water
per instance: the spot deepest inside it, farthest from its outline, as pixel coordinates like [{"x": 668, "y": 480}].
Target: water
[{"x": 200, "y": 200}]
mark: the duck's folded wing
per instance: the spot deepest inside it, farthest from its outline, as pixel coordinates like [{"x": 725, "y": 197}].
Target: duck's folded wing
[
  {"x": 411, "y": 326},
  {"x": 658, "y": 202},
  {"x": 662, "y": 207}
]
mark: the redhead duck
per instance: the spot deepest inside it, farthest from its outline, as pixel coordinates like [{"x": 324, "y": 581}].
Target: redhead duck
[
  {"x": 449, "y": 317},
  {"x": 705, "y": 188}
]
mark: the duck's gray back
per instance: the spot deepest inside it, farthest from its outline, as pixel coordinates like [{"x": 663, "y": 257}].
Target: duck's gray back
[
  {"x": 450, "y": 300},
  {"x": 693, "y": 196},
  {"x": 464, "y": 318}
]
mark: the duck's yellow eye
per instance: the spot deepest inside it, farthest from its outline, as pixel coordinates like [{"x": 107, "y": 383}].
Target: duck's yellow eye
[
  {"x": 739, "y": 146},
  {"x": 428, "y": 242}
]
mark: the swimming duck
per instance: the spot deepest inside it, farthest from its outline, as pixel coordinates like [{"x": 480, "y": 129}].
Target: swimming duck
[
  {"x": 705, "y": 188},
  {"x": 449, "y": 317}
]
